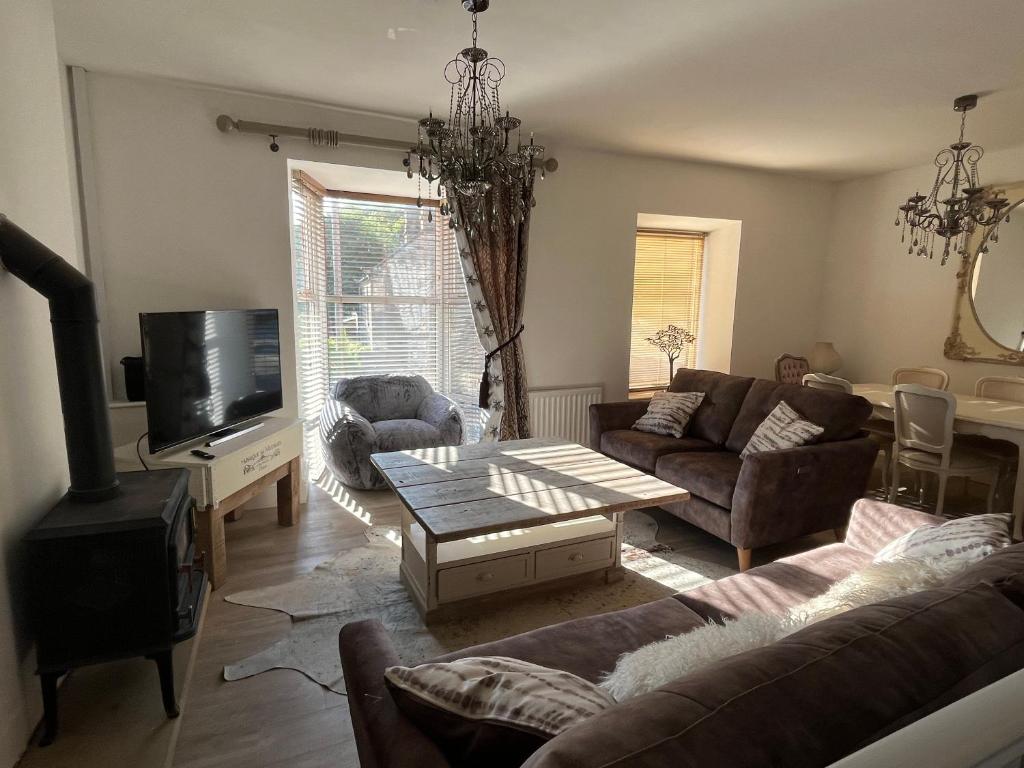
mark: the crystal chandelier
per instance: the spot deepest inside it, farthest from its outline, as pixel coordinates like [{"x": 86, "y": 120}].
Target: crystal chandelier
[
  {"x": 962, "y": 209},
  {"x": 478, "y": 147}
]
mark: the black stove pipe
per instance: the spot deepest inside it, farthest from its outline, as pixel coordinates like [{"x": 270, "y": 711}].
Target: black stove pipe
[{"x": 76, "y": 341}]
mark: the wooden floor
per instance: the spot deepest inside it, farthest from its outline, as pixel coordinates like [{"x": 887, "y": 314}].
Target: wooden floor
[{"x": 280, "y": 718}]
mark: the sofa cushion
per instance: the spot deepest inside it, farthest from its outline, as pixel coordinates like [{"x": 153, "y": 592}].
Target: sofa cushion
[
  {"x": 493, "y": 710},
  {"x": 669, "y": 413},
  {"x": 841, "y": 415},
  {"x": 776, "y": 587},
  {"x": 405, "y": 435},
  {"x": 781, "y": 429},
  {"x": 723, "y": 397},
  {"x": 643, "y": 449},
  {"x": 967, "y": 539},
  {"x": 1000, "y": 565},
  {"x": 589, "y": 646},
  {"x": 711, "y": 476},
  {"x": 815, "y": 696}
]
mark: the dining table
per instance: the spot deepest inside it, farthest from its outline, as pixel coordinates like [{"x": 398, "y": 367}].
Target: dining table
[{"x": 995, "y": 419}]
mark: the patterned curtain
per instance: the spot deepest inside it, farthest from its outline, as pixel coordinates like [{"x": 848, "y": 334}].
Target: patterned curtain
[{"x": 493, "y": 239}]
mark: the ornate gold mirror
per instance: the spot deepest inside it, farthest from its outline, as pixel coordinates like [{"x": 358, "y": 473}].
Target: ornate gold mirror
[{"x": 988, "y": 319}]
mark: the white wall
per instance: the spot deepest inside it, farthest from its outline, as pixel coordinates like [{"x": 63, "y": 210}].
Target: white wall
[
  {"x": 882, "y": 307},
  {"x": 581, "y": 260},
  {"x": 718, "y": 303},
  {"x": 36, "y": 193},
  {"x": 190, "y": 217}
]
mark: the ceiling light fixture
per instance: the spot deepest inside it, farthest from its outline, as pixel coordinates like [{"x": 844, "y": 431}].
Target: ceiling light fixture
[
  {"x": 479, "y": 145},
  {"x": 960, "y": 211}
]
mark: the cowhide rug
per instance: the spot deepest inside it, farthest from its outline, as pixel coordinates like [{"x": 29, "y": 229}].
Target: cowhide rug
[{"x": 362, "y": 583}]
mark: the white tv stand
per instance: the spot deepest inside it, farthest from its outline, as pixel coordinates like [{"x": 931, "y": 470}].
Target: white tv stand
[{"x": 245, "y": 464}]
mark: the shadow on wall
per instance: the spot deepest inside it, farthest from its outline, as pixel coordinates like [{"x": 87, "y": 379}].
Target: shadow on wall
[{"x": 33, "y": 476}]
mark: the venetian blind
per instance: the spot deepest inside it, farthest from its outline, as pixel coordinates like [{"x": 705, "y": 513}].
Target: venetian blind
[
  {"x": 310, "y": 311},
  {"x": 667, "y": 276},
  {"x": 392, "y": 299}
]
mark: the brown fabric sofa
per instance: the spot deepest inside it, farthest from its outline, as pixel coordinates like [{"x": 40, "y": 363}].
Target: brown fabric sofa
[
  {"x": 769, "y": 497},
  {"x": 807, "y": 700}
]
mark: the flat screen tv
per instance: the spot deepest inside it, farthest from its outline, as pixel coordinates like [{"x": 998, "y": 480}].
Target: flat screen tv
[{"x": 208, "y": 371}]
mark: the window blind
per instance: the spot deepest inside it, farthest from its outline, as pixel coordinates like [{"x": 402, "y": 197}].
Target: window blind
[
  {"x": 386, "y": 295},
  {"x": 309, "y": 259},
  {"x": 667, "y": 275}
]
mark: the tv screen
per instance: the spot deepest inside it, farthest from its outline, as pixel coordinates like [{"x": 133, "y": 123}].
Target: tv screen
[{"x": 207, "y": 371}]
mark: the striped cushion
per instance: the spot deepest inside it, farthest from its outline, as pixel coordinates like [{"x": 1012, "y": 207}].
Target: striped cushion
[
  {"x": 500, "y": 691},
  {"x": 783, "y": 428},
  {"x": 669, "y": 413},
  {"x": 967, "y": 538}
]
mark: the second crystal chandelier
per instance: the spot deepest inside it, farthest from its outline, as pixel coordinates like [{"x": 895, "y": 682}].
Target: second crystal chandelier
[{"x": 479, "y": 145}]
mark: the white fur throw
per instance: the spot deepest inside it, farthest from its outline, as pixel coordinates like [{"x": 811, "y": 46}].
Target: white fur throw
[{"x": 661, "y": 662}]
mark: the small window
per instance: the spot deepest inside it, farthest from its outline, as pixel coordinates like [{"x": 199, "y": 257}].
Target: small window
[{"x": 667, "y": 277}]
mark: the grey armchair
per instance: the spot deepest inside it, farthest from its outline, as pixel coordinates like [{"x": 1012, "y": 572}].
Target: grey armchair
[{"x": 375, "y": 414}]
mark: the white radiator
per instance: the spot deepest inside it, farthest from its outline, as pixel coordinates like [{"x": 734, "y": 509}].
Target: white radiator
[{"x": 563, "y": 412}]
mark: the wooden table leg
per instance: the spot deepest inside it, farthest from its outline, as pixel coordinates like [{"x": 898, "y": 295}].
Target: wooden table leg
[
  {"x": 430, "y": 545},
  {"x": 234, "y": 515},
  {"x": 288, "y": 494},
  {"x": 210, "y": 525}
]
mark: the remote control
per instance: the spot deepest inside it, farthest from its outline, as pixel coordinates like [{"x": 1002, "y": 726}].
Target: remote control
[{"x": 202, "y": 454}]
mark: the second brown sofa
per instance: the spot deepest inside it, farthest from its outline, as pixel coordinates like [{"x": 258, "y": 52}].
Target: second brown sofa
[{"x": 769, "y": 497}]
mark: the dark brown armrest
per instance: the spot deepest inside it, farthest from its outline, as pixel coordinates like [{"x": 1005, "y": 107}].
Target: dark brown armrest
[
  {"x": 781, "y": 495},
  {"x": 605, "y": 417},
  {"x": 385, "y": 738}
]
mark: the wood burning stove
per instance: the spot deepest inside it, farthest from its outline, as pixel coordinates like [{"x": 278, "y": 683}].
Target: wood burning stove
[
  {"x": 114, "y": 580},
  {"x": 113, "y": 568}
]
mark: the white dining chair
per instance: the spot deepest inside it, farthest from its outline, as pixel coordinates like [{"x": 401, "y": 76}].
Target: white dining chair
[
  {"x": 824, "y": 381},
  {"x": 924, "y": 442},
  {"x": 936, "y": 378},
  {"x": 881, "y": 430}
]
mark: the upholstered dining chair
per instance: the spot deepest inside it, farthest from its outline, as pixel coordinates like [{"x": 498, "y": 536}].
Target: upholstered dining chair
[
  {"x": 1000, "y": 388},
  {"x": 924, "y": 442},
  {"x": 936, "y": 378},
  {"x": 790, "y": 369},
  {"x": 1011, "y": 389},
  {"x": 824, "y": 381}
]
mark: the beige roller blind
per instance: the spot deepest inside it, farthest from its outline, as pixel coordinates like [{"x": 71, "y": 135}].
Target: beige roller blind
[{"x": 667, "y": 276}]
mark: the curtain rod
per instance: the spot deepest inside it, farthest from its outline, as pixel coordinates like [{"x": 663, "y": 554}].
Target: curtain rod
[{"x": 326, "y": 137}]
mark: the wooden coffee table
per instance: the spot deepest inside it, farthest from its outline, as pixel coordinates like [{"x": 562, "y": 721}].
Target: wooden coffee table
[{"x": 491, "y": 517}]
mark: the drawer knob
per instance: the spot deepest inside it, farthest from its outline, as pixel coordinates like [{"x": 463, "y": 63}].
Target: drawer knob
[
  {"x": 485, "y": 576},
  {"x": 576, "y": 557}
]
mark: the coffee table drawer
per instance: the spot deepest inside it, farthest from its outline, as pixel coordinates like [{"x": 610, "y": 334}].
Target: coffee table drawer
[
  {"x": 559, "y": 561},
  {"x": 480, "y": 578}
]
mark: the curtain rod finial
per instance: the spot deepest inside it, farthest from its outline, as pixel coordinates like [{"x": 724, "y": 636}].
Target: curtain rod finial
[{"x": 225, "y": 124}]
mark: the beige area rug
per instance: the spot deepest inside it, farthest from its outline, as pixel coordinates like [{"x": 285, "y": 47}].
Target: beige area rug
[{"x": 362, "y": 583}]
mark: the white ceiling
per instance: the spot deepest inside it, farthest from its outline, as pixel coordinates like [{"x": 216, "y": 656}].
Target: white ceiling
[{"x": 832, "y": 87}]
